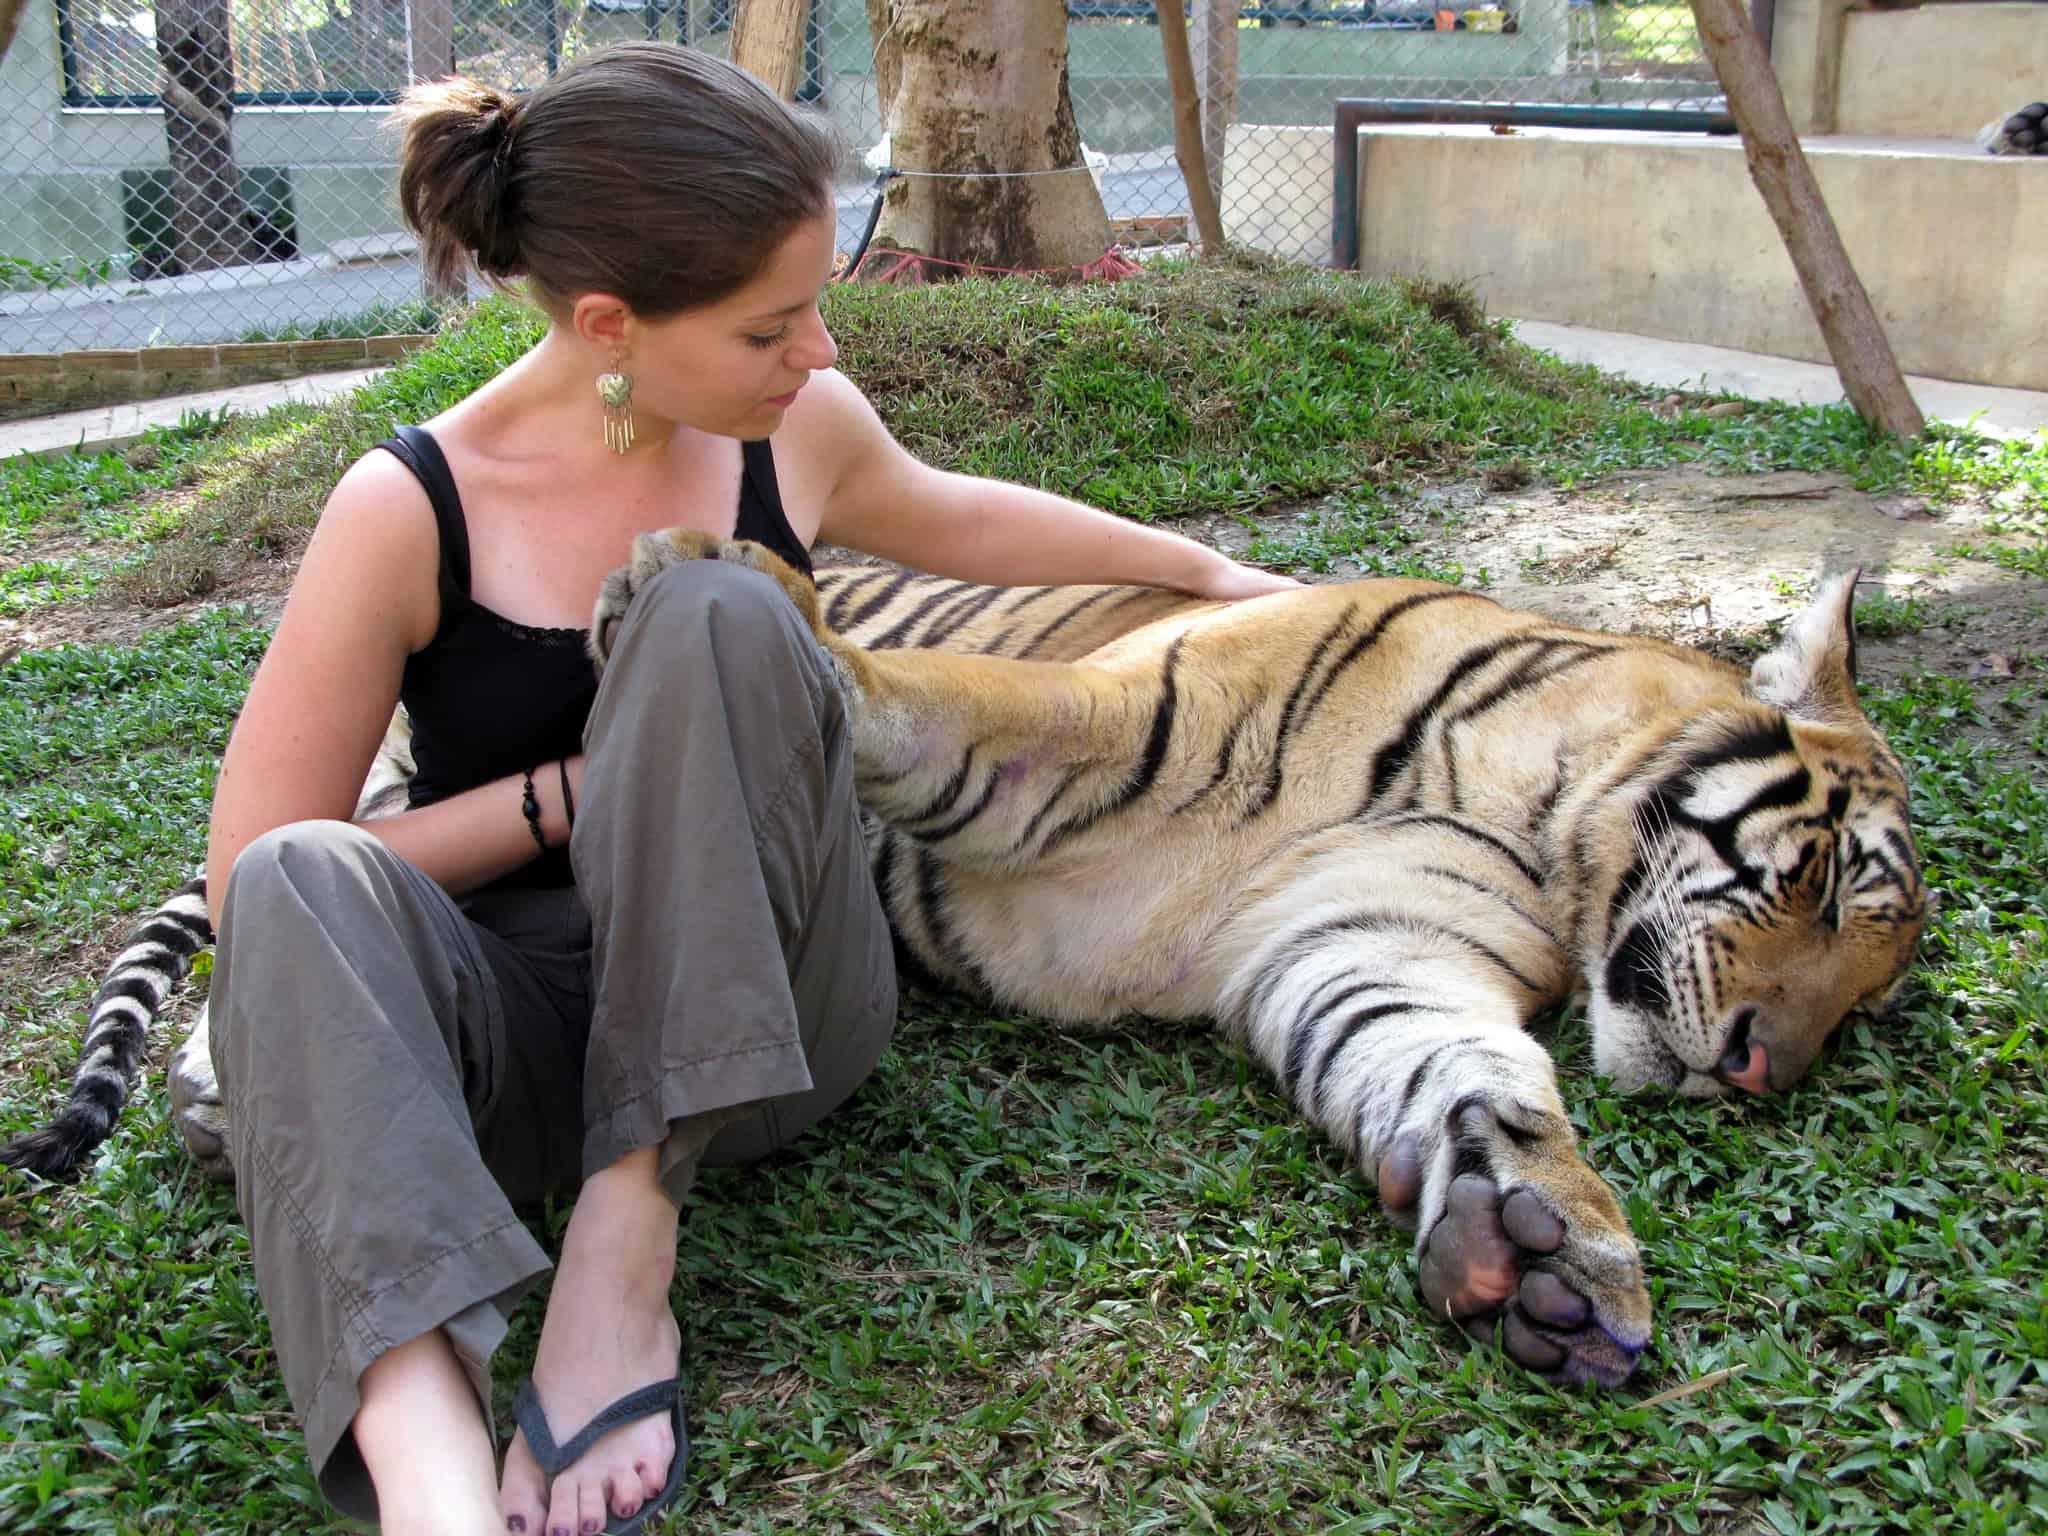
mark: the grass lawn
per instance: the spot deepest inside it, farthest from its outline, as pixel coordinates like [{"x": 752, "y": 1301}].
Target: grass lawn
[{"x": 1035, "y": 1283}]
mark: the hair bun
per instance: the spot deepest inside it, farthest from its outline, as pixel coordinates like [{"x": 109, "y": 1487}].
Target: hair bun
[{"x": 456, "y": 175}]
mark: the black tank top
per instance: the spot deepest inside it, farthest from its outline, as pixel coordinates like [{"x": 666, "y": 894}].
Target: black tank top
[{"x": 489, "y": 697}]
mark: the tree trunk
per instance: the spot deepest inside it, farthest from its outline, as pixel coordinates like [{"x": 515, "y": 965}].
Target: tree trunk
[
  {"x": 210, "y": 224},
  {"x": 768, "y": 43},
  {"x": 981, "y": 86},
  {"x": 10, "y": 18},
  {"x": 1188, "y": 146},
  {"x": 1848, "y": 321}
]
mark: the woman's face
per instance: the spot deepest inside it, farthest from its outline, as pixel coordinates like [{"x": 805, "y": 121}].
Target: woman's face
[{"x": 733, "y": 367}]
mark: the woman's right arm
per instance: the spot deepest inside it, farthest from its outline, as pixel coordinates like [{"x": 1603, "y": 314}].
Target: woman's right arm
[{"x": 364, "y": 598}]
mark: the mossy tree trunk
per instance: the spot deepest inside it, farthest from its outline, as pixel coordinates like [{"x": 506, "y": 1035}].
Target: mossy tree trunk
[{"x": 981, "y": 86}]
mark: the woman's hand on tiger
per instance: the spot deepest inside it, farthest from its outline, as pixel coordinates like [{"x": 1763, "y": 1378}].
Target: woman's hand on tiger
[{"x": 1232, "y": 582}]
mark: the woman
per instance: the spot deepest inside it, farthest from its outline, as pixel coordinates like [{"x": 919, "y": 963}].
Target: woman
[{"x": 424, "y": 1018}]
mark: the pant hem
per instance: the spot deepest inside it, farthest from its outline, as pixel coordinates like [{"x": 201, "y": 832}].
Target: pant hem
[
  {"x": 738, "y": 1077},
  {"x": 470, "y": 1291}
]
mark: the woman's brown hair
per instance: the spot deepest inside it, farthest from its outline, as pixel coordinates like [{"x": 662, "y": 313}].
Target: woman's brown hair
[{"x": 653, "y": 172}]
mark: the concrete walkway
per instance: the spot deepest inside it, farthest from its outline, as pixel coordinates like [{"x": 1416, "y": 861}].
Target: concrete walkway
[
  {"x": 1686, "y": 365},
  {"x": 1666, "y": 364},
  {"x": 116, "y": 426}
]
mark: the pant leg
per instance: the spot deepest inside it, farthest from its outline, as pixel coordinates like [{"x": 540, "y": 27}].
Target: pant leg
[
  {"x": 363, "y": 1025},
  {"x": 740, "y": 952}
]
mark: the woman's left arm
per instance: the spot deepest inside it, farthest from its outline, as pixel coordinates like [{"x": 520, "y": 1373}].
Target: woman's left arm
[{"x": 885, "y": 502}]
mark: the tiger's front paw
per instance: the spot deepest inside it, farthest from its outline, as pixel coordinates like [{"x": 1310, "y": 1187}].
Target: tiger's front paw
[
  {"x": 654, "y": 553},
  {"x": 196, "y": 1105},
  {"x": 1525, "y": 1237}
]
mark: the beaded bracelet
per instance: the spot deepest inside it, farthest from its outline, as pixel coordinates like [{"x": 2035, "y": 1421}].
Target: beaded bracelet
[{"x": 530, "y": 806}]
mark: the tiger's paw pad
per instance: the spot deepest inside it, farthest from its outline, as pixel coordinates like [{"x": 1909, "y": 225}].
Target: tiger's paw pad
[
  {"x": 654, "y": 553},
  {"x": 1487, "y": 1263}
]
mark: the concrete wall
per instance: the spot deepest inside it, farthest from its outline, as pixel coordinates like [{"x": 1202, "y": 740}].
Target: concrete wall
[
  {"x": 1665, "y": 235},
  {"x": 1939, "y": 71},
  {"x": 1942, "y": 71}
]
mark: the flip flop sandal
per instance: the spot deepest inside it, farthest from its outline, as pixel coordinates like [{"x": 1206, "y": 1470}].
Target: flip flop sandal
[{"x": 554, "y": 1460}]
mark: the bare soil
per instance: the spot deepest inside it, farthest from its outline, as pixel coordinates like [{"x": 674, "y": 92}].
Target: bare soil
[{"x": 1719, "y": 561}]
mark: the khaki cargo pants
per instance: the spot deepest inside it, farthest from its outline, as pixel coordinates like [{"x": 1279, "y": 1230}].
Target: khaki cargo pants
[{"x": 401, "y": 1067}]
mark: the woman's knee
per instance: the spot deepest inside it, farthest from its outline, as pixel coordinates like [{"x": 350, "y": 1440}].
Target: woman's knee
[
  {"x": 712, "y": 609},
  {"x": 274, "y": 872}
]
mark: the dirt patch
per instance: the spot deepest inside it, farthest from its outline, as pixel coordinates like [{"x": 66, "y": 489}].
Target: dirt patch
[
  {"x": 1721, "y": 561},
  {"x": 111, "y": 618}
]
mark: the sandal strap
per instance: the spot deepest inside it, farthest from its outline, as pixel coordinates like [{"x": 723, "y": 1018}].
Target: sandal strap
[{"x": 554, "y": 1460}]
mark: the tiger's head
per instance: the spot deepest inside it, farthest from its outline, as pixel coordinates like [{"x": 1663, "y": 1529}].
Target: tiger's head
[{"x": 1770, "y": 891}]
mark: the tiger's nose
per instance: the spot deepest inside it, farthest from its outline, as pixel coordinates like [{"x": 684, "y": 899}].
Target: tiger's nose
[{"x": 1744, "y": 1063}]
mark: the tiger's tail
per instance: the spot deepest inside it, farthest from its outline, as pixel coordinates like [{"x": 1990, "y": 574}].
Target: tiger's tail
[{"x": 157, "y": 956}]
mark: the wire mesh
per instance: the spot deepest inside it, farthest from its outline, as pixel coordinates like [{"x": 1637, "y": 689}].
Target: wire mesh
[{"x": 186, "y": 172}]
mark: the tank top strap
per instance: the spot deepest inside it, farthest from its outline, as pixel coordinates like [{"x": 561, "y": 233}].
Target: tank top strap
[
  {"x": 761, "y": 517},
  {"x": 415, "y": 448}
]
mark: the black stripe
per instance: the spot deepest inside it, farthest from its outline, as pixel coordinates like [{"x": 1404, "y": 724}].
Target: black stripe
[
  {"x": 1372, "y": 636},
  {"x": 1001, "y": 638},
  {"x": 1309, "y": 1015},
  {"x": 147, "y": 990},
  {"x": 898, "y": 633},
  {"x": 1395, "y": 756},
  {"x": 1125, "y": 597},
  {"x": 1532, "y": 674},
  {"x": 967, "y": 817},
  {"x": 1466, "y": 829},
  {"x": 1458, "y": 877},
  {"x": 1064, "y": 619},
  {"x": 932, "y": 894},
  {"x": 939, "y": 634},
  {"x": 173, "y": 932},
  {"x": 1148, "y": 766},
  {"x": 885, "y": 871},
  {"x": 1361, "y": 1020},
  {"x": 1380, "y": 922},
  {"x": 880, "y": 600},
  {"x": 944, "y": 801},
  {"x": 1223, "y": 759},
  {"x": 1270, "y": 790},
  {"x": 1038, "y": 818},
  {"x": 853, "y": 586}
]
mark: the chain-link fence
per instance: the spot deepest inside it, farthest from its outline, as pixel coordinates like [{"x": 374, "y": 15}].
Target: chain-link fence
[{"x": 181, "y": 172}]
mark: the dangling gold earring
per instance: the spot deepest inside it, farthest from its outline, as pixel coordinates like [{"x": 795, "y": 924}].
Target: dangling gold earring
[{"x": 615, "y": 393}]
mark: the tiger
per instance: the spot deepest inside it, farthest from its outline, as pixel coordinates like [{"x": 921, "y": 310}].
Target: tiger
[{"x": 1370, "y": 829}]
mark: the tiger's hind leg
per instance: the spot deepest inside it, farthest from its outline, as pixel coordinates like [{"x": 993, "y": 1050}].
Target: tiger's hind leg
[
  {"x": 197, "y": 1109},
  {"x": 1395, "y": 1025}
]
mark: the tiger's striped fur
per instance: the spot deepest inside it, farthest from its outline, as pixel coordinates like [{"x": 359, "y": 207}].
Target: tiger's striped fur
[{"x": 1371, "y": 829}]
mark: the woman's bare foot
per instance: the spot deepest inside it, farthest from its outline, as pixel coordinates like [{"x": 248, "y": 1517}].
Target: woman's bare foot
[{"x": 608, "y": 1331}]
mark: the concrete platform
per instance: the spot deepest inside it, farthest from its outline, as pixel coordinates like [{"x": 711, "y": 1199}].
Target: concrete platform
[{"x": 1687, "y": 365}]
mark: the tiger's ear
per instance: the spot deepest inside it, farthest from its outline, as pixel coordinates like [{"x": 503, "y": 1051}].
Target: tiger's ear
[{"x": 1811, "y": 672}]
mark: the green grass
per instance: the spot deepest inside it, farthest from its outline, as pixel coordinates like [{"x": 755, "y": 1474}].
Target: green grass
[
  {"x": 1648, "y": 33},
  {"x": 1030, "y": 1283}
]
